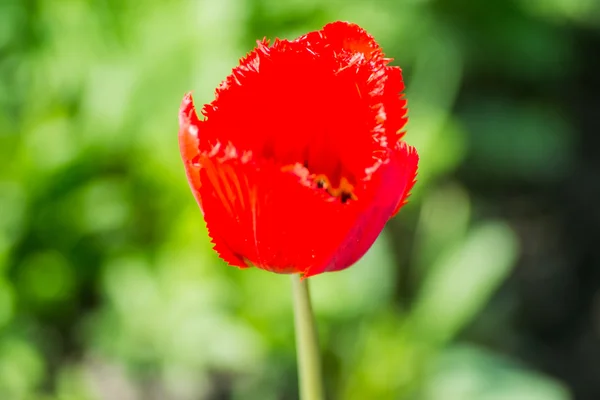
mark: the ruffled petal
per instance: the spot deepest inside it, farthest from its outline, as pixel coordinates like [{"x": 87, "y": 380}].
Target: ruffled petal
[
  {"x": 327, "y": 98},
  {"x": 409, "y": 165}
]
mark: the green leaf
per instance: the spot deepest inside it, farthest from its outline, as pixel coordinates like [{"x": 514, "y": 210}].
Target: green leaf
[
  {"x": 460, "y": 283},
  {"x": 469, "y": 373}
]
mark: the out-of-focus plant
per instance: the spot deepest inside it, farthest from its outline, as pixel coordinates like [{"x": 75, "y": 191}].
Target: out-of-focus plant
[{"x": 106, "y": 290}]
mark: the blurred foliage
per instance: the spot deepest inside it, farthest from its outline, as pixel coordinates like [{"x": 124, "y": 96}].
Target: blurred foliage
[{"x": 108, "y": 285}]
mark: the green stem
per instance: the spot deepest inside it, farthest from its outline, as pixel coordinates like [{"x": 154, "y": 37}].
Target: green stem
[{"x": 307, "y": 346}]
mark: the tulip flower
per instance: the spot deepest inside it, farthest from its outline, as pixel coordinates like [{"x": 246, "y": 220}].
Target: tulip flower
[{"x": 298, "y": 162}]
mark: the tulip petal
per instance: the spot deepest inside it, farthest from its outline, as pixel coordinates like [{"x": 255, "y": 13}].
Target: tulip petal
[
  {"x": 393, "y": 182},
  {"x": 272, "y": 218},
  {"x": 189, "y": 144},
  {"x": 270, "y": 215}
]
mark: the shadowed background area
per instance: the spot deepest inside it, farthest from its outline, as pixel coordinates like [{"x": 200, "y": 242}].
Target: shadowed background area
[{"x": 485, "y": 287}]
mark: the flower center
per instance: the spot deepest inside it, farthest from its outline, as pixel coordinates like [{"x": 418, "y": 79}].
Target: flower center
[
  {"x": 325, "y": 165},
  {"x": 345, "y": 190}
]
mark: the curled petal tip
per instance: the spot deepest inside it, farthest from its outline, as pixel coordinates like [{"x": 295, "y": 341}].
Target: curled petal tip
[
  {"x": 188, "y": 129},
  {"x": 410, "y": 163},
  {"x": 186, "y": 109},
  {"x": 189, "y": 143}
]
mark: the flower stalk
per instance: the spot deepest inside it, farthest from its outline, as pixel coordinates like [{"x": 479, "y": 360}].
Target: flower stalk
[{"x": 307, "y": 346}]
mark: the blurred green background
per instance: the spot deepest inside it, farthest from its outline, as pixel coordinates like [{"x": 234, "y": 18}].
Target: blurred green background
[{"x": 485, "y": 287}]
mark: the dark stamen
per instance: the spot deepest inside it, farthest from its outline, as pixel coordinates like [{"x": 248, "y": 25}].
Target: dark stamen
[{"x": 345, "y": 196}]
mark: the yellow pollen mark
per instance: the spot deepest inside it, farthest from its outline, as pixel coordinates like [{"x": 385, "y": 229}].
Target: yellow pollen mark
[{"x": 345, "y": 191}]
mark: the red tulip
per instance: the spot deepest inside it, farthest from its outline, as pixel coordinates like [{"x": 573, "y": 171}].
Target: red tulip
[{"x": 298, "y": 162}]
